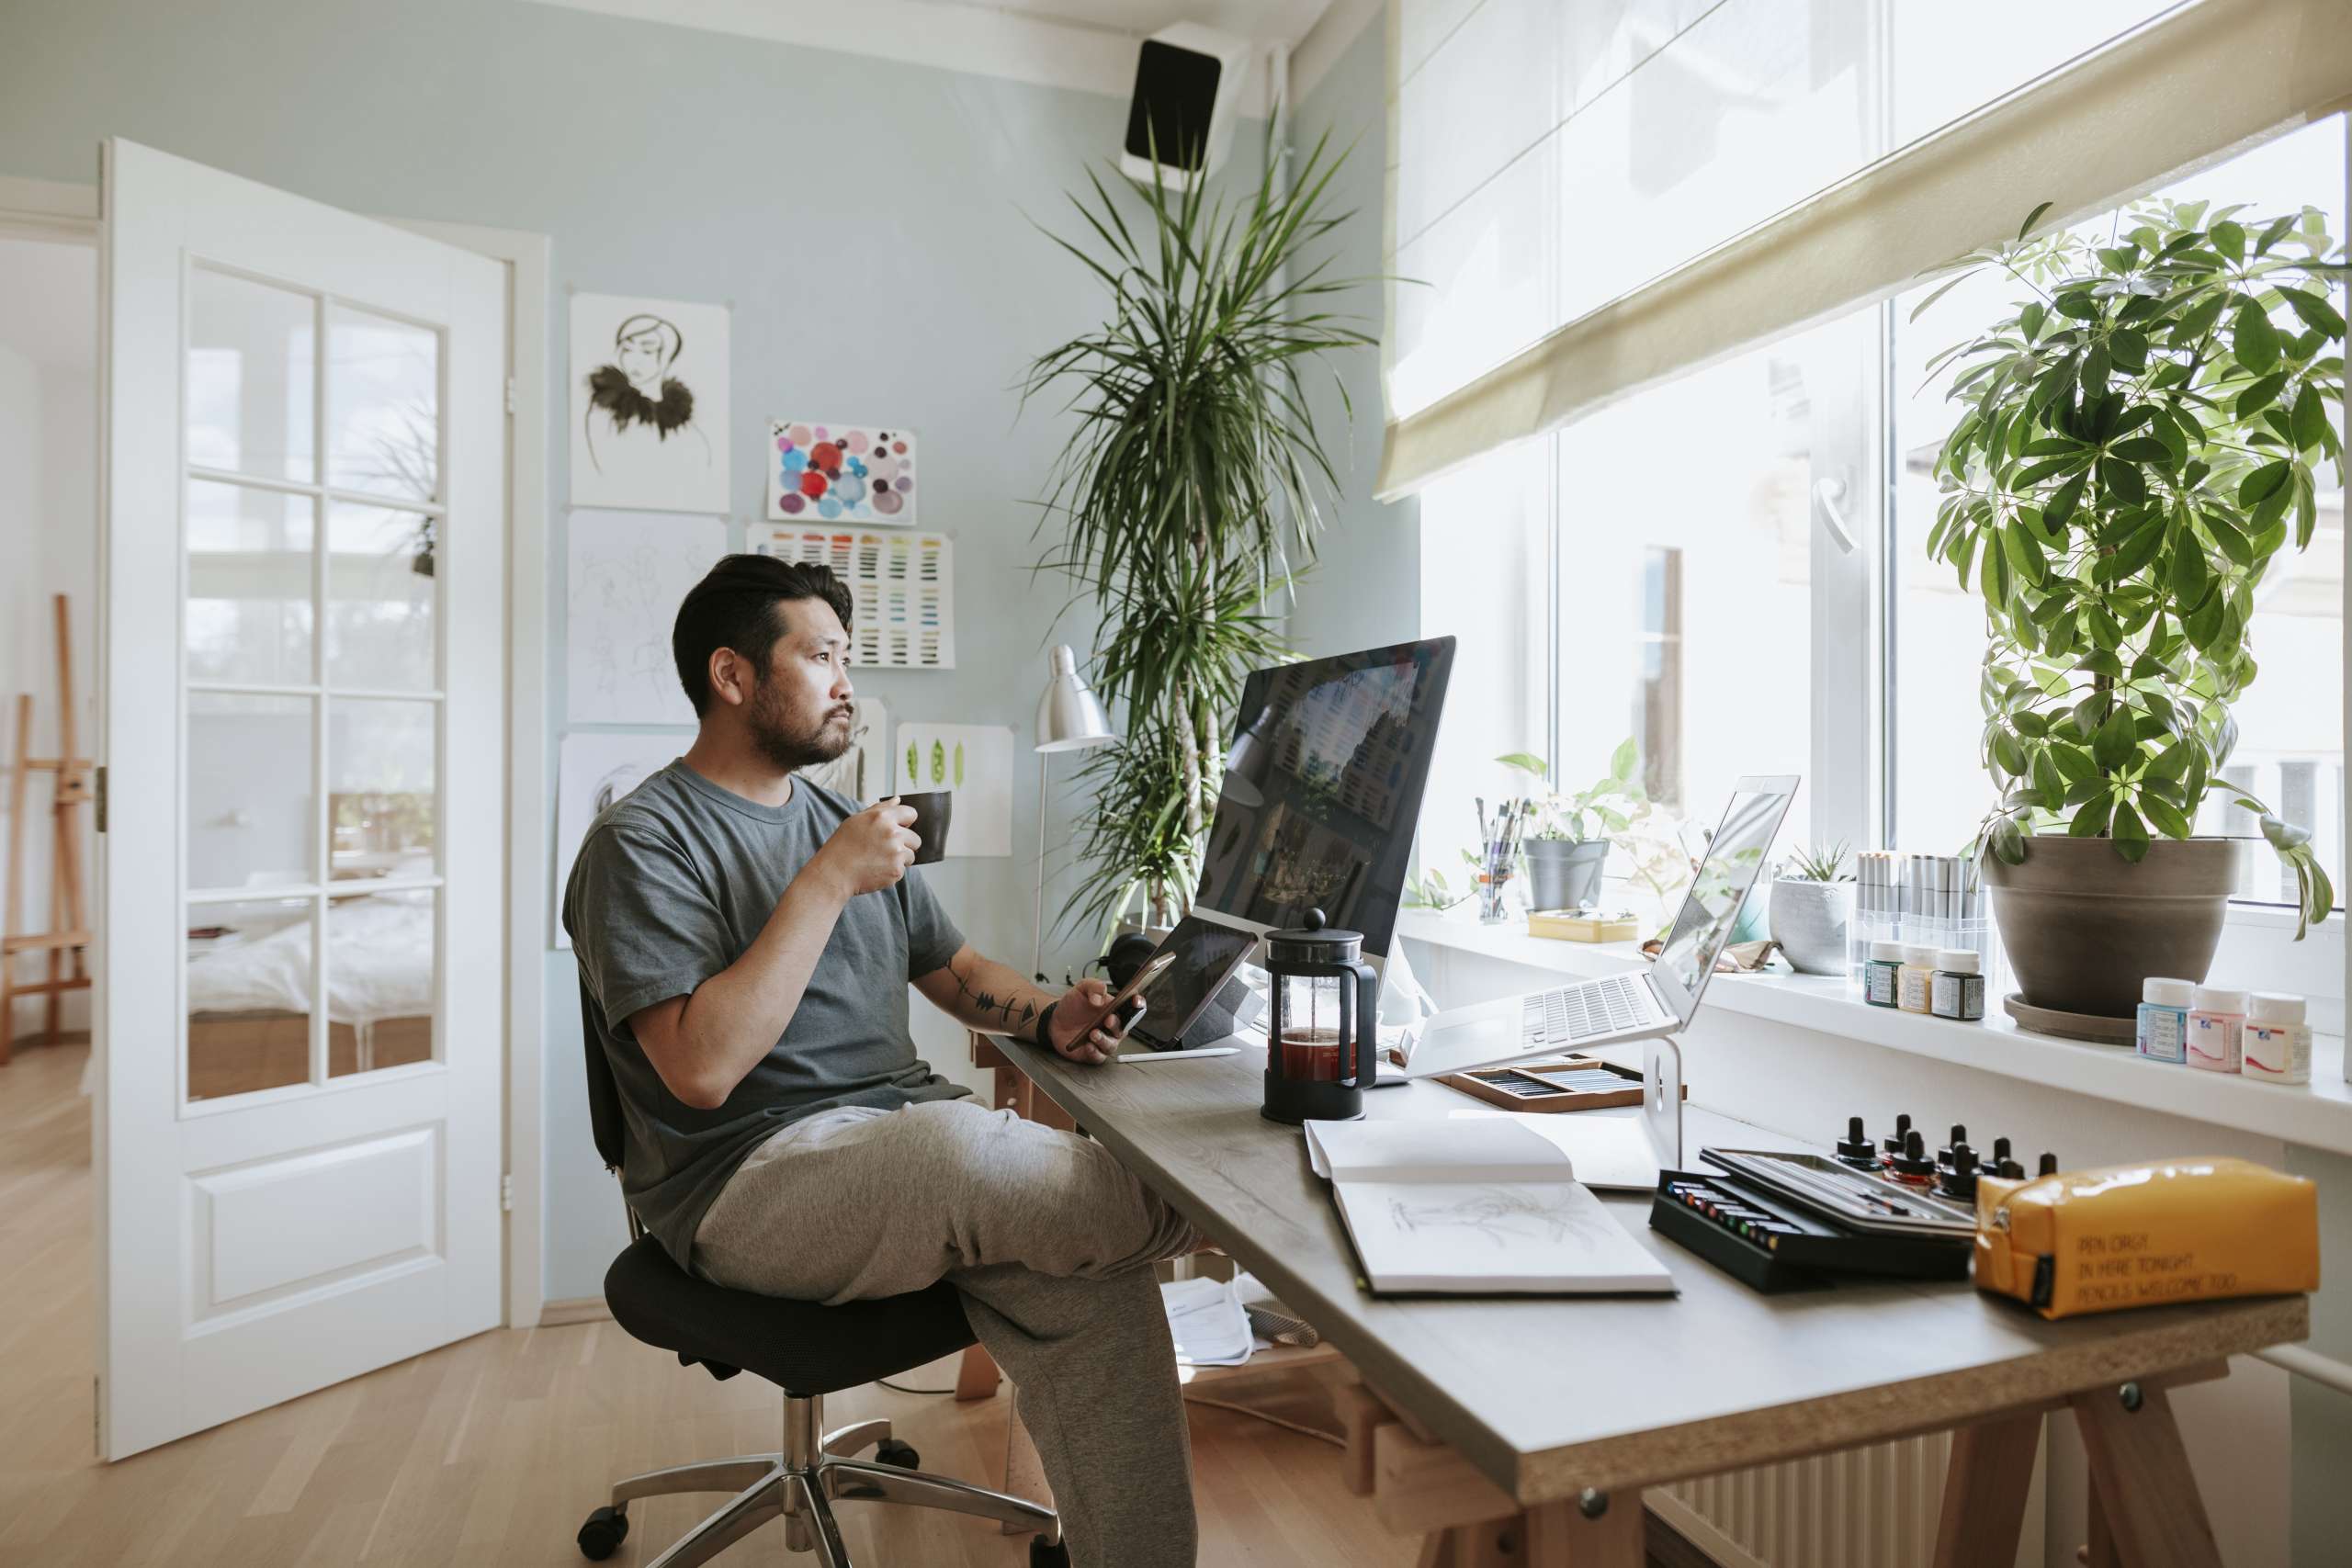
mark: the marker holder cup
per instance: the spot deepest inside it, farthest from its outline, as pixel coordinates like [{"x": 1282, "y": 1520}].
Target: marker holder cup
[{"x": 1980, "y": 936}]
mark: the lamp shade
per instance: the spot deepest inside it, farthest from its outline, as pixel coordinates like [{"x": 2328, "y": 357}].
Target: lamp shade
[{"x": 1069, "y": 715}]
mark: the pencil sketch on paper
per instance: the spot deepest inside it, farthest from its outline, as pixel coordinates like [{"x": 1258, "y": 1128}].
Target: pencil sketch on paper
[
  {"x": 1501, "y": 1214},
  {"x": 628, "y": 576},
  {"x": 648, "y": 404}
]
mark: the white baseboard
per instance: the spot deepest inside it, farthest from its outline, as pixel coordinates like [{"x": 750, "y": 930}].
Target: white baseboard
[{"x": 573, "y": 1309}]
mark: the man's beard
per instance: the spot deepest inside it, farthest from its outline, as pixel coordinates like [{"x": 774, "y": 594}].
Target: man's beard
[{"x": 794, "y": 746}]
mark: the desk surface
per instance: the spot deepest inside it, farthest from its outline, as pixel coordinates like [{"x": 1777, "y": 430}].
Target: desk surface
[{"x": 1546, "y": 1396}]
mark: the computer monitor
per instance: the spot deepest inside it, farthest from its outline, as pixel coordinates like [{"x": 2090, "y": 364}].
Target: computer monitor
[{"x": 1322, "y": 791}]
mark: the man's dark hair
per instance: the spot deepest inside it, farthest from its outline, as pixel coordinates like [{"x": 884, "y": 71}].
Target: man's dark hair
[{"x": 735, "y": 606}]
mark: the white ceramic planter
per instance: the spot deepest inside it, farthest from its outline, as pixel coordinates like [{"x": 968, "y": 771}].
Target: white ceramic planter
[{"x": 1808, "y": 921}]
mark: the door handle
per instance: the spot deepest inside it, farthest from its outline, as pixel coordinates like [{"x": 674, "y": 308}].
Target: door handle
[{"x": 1827, "y": 494}]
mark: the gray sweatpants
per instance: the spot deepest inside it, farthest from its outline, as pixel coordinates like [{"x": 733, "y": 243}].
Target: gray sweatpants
[{"x": 1050, "y": 1241}]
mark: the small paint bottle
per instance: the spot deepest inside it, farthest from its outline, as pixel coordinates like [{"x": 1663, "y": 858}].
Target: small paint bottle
[
  {"x": 2164, "y": 1018},
  {"x": 2216, "y": 1029},
  {"x": 1912, "y": 981},
  {"x": 1879, "y": 976},
  {"x": 2278, "y": 1041},
  {"x": 1956, "y": 987}
]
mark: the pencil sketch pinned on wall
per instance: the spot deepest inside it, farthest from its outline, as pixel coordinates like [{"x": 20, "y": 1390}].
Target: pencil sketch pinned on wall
[
  {"x": 649, "y": 403},
  {"x": 627, "y": 574},
  {"x": 596, "y": 769},
  {"x": 863, "y": 772}
]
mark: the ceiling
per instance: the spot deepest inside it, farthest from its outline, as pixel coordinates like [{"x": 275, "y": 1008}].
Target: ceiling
[
  {"x": 1262, "y": 21},
  {"x": 1086, "y": 44}
]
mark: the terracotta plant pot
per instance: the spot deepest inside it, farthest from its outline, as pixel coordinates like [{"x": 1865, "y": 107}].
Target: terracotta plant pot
[
  {"x": 1563, "y": 874},
  {"x": 1808, "y": 920},
  {"x": 2083, "y": 926}
]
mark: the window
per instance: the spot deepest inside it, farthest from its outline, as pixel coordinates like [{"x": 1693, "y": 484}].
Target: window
[
  {"x": 1686, "y": 572},
  {"x": 2291, "y": 751},
  {"x": 1704, "y": 600}
]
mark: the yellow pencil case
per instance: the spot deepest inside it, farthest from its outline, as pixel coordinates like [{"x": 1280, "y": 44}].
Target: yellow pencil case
[{"x": 2146, "y": 1235}]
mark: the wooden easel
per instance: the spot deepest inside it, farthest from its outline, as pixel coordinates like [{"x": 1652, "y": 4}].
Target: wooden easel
[{"x": 69, "y": 929}]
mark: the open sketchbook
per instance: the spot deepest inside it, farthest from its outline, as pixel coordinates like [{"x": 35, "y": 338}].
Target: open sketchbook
[{"x": 1474, "y": 1206}]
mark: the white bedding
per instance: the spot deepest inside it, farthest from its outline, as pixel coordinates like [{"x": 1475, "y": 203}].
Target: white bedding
[{"x": 379, "y": 963}]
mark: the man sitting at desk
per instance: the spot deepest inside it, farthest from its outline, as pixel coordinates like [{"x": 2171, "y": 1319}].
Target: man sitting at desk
[{"x": 745, "y": 940}]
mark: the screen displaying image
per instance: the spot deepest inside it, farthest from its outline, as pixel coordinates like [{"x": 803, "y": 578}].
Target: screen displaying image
[
  {"x": 1734, "y": 857},
  {"x": 1322, "y": 788}
]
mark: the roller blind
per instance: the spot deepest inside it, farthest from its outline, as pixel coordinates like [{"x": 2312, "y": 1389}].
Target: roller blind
[{"x": 1589, "y": 199}]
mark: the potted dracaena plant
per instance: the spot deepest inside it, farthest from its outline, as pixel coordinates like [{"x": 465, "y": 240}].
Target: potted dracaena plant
[
  {"x": 1568, "y": 846},
  {"x": 1189, "y": 490},
  {"x": 2138, "y": 447}
]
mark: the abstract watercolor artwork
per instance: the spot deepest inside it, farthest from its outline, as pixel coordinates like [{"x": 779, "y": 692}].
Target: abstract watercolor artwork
[
  {"x": 975, "y": 761},
  {"x": 901, "y": 586},
  {"x": 650, "y": 403},
  {"x": 848, "y": 473}
]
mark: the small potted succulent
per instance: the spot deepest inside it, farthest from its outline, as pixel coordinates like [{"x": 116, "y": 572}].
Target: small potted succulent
[
  {"x": 1567, "y": 844},
  {"x": 1813, "y": 898}
]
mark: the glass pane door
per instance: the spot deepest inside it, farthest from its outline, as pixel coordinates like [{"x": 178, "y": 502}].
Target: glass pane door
[{"x": 312, "y": 688}]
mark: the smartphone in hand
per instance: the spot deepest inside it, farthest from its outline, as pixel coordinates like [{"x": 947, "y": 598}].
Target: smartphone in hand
[{"x": 1125, "y": 1004}]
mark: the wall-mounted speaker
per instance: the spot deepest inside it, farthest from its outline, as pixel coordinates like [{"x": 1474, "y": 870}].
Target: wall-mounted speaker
[{"x": 1188, "y": 82}]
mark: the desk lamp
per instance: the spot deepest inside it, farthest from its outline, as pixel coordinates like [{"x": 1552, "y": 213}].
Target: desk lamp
[{"x": 1069, "y": 718}]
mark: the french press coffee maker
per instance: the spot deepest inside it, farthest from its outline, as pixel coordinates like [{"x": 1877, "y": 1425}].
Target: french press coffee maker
[{"x": 1322, "y": 1038}]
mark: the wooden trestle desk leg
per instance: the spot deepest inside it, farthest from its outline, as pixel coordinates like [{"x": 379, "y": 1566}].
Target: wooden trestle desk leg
[
  {"x": 2146, "y": 1512},
  {"x": 1985, "y": 1484},
  {"x": 1419, "y": 1485}
]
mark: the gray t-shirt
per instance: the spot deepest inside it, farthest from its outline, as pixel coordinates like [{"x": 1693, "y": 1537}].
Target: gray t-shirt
[{"x": 672, "y": 885}]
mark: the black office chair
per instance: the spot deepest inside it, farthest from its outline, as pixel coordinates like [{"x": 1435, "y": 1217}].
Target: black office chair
[{"x": 807, "y": 1350}]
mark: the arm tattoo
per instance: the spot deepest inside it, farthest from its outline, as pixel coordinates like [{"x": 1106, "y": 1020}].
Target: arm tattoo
[{"x": 1017, "y": 1015}]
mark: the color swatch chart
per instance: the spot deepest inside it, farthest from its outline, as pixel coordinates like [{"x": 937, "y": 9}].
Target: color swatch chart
[{"x": 902, "y": 587}]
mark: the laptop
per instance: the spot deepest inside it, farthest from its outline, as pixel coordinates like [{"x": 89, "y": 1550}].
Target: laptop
[{"x": 1642, "y": 1005}]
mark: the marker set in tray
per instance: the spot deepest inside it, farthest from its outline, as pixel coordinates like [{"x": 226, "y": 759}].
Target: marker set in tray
[{"x": 1786, "y": 1221}]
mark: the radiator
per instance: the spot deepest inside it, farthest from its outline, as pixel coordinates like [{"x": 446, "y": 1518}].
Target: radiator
[{"x": 1869, "y": 1507}]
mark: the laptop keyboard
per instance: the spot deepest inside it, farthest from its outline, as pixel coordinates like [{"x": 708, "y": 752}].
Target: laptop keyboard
[{"x": 1580, "y": 1011}]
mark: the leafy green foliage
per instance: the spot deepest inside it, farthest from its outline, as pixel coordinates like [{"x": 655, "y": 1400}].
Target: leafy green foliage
[
  {"x": 1601, "y": 809},
  {"x": 2139, "y": 441},
  {"x": 1817, "y": 865},
  {"x": 1188, "y": 492}
]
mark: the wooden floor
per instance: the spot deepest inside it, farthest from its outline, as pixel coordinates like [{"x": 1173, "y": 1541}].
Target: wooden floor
[{"x": 492, "y": 1451}]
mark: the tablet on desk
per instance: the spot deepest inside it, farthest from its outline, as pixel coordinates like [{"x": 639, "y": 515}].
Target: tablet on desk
[{"x": 1196, "y": 960}]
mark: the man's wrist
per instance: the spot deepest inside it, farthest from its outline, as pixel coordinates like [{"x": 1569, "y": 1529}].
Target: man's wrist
[{"x": 1044, "y": 1028}]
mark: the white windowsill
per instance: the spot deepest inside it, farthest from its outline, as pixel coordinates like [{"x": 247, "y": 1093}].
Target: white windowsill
[{"x": 2317, "y": 1114}]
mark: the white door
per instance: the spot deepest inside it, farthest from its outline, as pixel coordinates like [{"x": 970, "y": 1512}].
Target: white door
[{"x": 298, "y": 1112}]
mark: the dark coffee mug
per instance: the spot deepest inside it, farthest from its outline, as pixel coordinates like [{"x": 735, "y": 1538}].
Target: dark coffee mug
[{"x": 933, "y": 808}]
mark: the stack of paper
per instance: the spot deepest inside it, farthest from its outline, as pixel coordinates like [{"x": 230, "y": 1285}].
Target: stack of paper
[
  {"x": 1207, "y": 1320},
  {"x": 1473, "y": 1205}
]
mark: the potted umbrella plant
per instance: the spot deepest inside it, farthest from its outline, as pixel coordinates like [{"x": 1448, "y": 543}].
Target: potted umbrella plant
[{"x": 2139, "y": 443}]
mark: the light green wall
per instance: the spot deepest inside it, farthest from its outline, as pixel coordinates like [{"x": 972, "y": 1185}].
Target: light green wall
[
  {"x": 1365, "y": 590},
  {"x": 866, "y": 220}
]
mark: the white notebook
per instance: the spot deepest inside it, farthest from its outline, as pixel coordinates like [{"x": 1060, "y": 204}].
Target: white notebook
[{"x": 1474, "y": 1206}]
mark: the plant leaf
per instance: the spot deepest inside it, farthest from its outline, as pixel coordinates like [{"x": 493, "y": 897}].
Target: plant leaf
[
  {"x": 2118, "y": 741},
  {"x": 2129, "y": 833},
  {"x": 2253, "y": 339}
]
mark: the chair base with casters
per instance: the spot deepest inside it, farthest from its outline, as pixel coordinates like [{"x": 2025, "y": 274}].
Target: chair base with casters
[{"x": 810, "y": 1351}]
